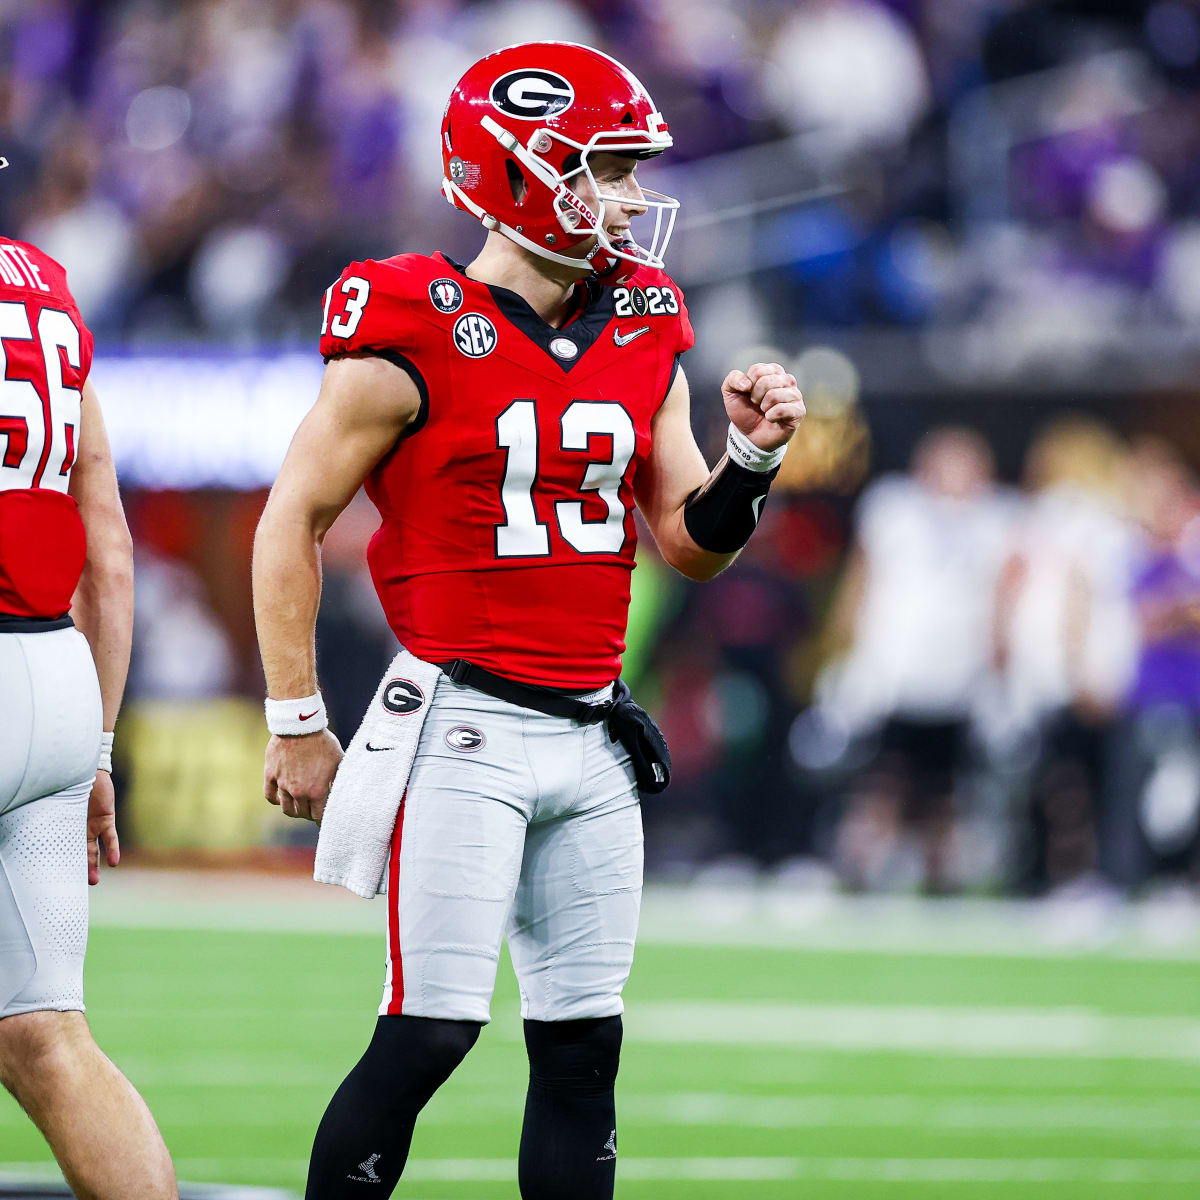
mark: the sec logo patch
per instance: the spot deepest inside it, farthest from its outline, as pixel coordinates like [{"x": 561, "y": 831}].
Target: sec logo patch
[
  {"x": 445, "y": 295},
  {"x": 402, "y": 697},
  {"x": 474, "y": 335},
  {"x": 465, "y": 739}
]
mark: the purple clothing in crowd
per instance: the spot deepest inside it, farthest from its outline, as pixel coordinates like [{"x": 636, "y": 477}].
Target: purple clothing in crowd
[{"x": 1169, "y": 667}]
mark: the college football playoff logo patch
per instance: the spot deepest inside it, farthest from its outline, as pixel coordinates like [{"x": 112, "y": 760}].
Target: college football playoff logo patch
[
  {"x": 402, "y": 697},
  {"x": 532, "y": 95},
  {"x": 631, "y": 301},
  {"x": 465, "y": 739},
  {"x": 474, "y": 335},
  {"x": 445, "y": 295}
]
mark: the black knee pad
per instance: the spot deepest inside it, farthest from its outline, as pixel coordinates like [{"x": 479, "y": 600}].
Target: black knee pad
[
  {"x": 581, "y": 1054},
  {"x": 417, "y": 1053}
]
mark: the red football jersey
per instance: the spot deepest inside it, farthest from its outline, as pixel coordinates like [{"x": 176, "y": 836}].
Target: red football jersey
[
  {"x": 45, "y": 357},
  {"x": 508, "y": 533}
]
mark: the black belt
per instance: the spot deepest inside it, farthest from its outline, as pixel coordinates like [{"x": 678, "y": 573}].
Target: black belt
[
  {"x": 527, "y": 695},
  {"x": 11, "y": 623}
]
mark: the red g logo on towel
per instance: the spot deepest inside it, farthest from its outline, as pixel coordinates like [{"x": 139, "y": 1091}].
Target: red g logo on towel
[{"x": 402, "y": 697}]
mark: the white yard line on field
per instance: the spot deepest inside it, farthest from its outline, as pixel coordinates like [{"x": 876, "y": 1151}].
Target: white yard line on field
[
  {"x": 950, "y": 1030},
  {"x": 742, "y": 916},
  {"x": 978, "y": 1114},
  {"x": 775, "y": 1169},
  {"x": 1038, "y": 1116},
  {"x": 743, "y": 1170}
]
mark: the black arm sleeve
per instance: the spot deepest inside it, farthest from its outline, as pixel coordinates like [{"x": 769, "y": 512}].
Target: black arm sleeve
[{"x": 721, "y": 516}]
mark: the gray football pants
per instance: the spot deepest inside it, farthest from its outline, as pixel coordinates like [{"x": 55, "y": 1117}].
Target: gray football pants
[{"x": 518, "y": 825}]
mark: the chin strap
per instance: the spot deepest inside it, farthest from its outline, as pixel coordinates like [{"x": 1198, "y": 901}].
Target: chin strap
[{"x": 616, "y": 270}]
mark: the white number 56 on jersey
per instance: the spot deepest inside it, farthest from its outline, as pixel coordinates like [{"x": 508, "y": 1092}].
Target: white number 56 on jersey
[{"x": 39, "y": 432}]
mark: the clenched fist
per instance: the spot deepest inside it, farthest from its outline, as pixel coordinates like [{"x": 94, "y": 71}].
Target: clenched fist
[{"x": 764, "y": 403}]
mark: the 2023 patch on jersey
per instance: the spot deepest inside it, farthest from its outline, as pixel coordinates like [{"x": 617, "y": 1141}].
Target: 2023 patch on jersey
[
  {"x": 45, "y": 357},
  {"x": 508, "y": 535}
]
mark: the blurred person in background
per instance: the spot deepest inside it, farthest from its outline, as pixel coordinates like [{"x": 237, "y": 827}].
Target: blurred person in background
[
  {"x": 1152, "y": 815},
  {"x": 726, "y": 662},
  {"x": 181, "y": 651},
  {"x": 506, "y": 417},
  {"x": 66, "y": 613},
  {"x": 914, "y": 616},
  {"x": 1065, "y": 641}
]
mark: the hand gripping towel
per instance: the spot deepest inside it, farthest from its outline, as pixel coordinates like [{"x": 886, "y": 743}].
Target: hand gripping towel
[{"x": 360, "y": 814}]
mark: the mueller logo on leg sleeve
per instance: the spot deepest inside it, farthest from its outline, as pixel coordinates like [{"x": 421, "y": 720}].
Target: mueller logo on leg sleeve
[
  {"x": 611, "y": 1147},
  {"x": 368, "y": 1171},
  {"x": 465, "y": 739},
  {"x": 402, "y": 697}
]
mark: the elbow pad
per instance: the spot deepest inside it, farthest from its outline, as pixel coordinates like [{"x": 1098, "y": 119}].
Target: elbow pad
[{"x": 721, "y": 515}]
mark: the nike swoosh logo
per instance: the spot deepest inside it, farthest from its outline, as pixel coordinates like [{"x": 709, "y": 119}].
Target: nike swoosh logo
[
  {"x": 370, "y": 747},
  {"x": 623, "y": 339},
  {"x": 307, "y": 716}
]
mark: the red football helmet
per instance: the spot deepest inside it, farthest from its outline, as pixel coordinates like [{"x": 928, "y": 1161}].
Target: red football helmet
[{"x": 522, "y": 123}]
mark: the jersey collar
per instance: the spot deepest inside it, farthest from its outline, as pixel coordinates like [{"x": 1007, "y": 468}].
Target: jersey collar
[{"x": 586, "y": 323}]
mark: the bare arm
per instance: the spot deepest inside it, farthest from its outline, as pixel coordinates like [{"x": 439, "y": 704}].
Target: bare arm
[
  {"x": 675, "y": 469},
  {"x": 763, "y": 403},
  {"x": 102, "y": 607},
  {"x": 365, "y": 404}
]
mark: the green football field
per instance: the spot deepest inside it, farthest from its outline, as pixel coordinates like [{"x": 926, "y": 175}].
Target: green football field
[{"x": 773, "y": 1048}]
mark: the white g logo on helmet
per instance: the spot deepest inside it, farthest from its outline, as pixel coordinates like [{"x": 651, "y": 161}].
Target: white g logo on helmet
[{"x": 532, "y": 95}]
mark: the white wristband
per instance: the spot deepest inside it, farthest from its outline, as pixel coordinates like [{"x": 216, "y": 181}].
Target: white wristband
[
  {"x": 291, "y": 718},
  {"x": 105, "y": 763},
  {"x": 746, "y": 454}
]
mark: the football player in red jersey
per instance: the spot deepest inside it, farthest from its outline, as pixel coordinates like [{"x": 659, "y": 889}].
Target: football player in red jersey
[
  {"x": 66, "y": 617},
  {"x": 506, "y": 417}
]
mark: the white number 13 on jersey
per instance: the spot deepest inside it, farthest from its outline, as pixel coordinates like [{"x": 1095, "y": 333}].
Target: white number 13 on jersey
[
  {"x": 522, "y": 534},
  {"x": 356, "y": 290}
]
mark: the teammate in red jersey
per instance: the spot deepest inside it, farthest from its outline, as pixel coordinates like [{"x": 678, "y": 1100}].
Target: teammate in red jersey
[
  {"x": 506, "y": 417},
  {"x": 66, "y": 616}
]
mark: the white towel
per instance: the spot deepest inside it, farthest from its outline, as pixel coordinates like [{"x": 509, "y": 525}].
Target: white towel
[{"x": 360, "y": 815}]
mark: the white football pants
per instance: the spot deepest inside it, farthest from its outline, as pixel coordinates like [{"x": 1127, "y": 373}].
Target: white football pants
[{"x": 50, "y": 721}]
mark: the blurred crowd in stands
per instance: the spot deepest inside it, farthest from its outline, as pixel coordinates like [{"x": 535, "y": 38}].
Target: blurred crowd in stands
[
  {"x": 913, "y": 678},
  {"x": 205, "y": 168}
]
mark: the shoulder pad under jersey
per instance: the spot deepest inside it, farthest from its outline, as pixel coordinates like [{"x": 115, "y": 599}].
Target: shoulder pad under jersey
[{"x": 378, "y": 305}]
